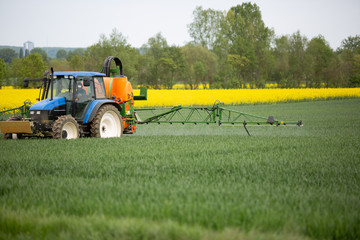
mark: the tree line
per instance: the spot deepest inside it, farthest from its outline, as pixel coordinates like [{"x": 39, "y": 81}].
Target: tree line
[{"x": 230, "y": 49}]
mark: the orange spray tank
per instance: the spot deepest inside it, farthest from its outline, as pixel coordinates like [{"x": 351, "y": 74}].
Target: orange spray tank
[
  {"x": 119, "y": 89},
  {"x": 117, "y": 86}
]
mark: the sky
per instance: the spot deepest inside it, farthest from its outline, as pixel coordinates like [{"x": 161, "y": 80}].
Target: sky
[{"x": 79, "y": 23}]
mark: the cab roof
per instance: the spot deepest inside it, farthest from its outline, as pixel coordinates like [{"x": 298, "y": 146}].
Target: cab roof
[{"x": 79, "y": 74}]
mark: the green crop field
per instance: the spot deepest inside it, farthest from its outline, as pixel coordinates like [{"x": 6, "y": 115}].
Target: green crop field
[{"x": 191, "y": 182}]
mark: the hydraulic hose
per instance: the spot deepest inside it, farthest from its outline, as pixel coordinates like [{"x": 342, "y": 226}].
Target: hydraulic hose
[{"x": 107, "y": 63}]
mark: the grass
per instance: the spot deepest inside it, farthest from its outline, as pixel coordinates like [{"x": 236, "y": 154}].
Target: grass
[{"x": 191, "y": 182}]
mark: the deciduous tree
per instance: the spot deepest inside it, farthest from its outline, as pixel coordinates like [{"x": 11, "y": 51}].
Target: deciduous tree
[
  {"x": 201, "y": 65},
  {"x": 206, "y": 26},
  {"x": 245, "y": 34},
  {"x": 299, "y": 66},
  {"x": 61, "y": 54},
  {"x": 319, "y": 56},
  {"x": 2, "y": 71},
  {"x": 153, "y": 51},
  {"x": 21, "y": 53},
  {"x": 352, "y": 44},
  {"x": 77, "y": 51},
  {"x": 32, "y": 67},
  {"x": 114, "y": 45},
  {"x": 42, "y": 53},
  {"x": 349, "y": 59},
  {"x": 77, "y": 63},
  {"x": 7, "y": 54},
  {"x": 290, "y": 64},
  {"x": 60, "y": 65}
]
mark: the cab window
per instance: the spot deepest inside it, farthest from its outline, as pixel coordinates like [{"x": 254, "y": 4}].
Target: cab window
[
  {"x": 84, "y": 93},
  {"x": 62, "y": 88},
  {"x": 99, "y": 87}
]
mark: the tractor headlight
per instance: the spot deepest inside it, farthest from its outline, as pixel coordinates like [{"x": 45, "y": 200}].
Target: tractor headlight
[{"x": 39, "y": 115}]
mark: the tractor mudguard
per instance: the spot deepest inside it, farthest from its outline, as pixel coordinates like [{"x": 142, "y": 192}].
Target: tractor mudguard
[{"x": 94, "y": 107}]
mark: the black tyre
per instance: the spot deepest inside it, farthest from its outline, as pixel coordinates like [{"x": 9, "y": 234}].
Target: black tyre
[
  {"x": 107, "y": 123},
  {"x": 65, "y": 127},
  {"x": 14, "y": 135}
]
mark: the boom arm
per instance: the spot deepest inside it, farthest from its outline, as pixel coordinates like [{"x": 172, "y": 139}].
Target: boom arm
[{"x": 216, "y": 114}]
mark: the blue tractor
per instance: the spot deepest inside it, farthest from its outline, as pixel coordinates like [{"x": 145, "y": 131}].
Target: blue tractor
[{"x": 77, "y": 104}]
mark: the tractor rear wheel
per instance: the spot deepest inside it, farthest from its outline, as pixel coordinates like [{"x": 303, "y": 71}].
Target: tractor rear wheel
[
  {"x": 107, "y": 123},
  {"x": 14, "y": 135},
  {"x": 65, "y": 127}
]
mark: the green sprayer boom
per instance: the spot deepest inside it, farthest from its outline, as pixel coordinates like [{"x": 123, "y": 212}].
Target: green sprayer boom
[{"x": 209, "y": 115}]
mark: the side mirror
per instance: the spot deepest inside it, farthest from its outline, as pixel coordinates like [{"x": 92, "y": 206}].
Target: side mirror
[{"x": 26, "y": 82}]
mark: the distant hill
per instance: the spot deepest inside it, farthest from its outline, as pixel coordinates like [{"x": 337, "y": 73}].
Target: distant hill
[{"x": 51, "y": 51}]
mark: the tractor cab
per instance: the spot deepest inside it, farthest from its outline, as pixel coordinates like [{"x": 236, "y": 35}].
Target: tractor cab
[
  {"x": 78, "y": 86},
  {"x": 67, "y": 93},
  {"x": 79, "y": 89}
]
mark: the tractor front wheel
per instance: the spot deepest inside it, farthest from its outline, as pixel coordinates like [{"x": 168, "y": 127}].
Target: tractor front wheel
[
  {"x": 65, "y": 127},
  {"x": 107, "y": 123}
]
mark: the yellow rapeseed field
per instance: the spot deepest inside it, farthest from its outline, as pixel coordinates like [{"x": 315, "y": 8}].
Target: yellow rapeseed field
[
  {"x": 10, "y": 98},
  {"x": 206, "y": 86},
  {"x": 170, "y": 98}
]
